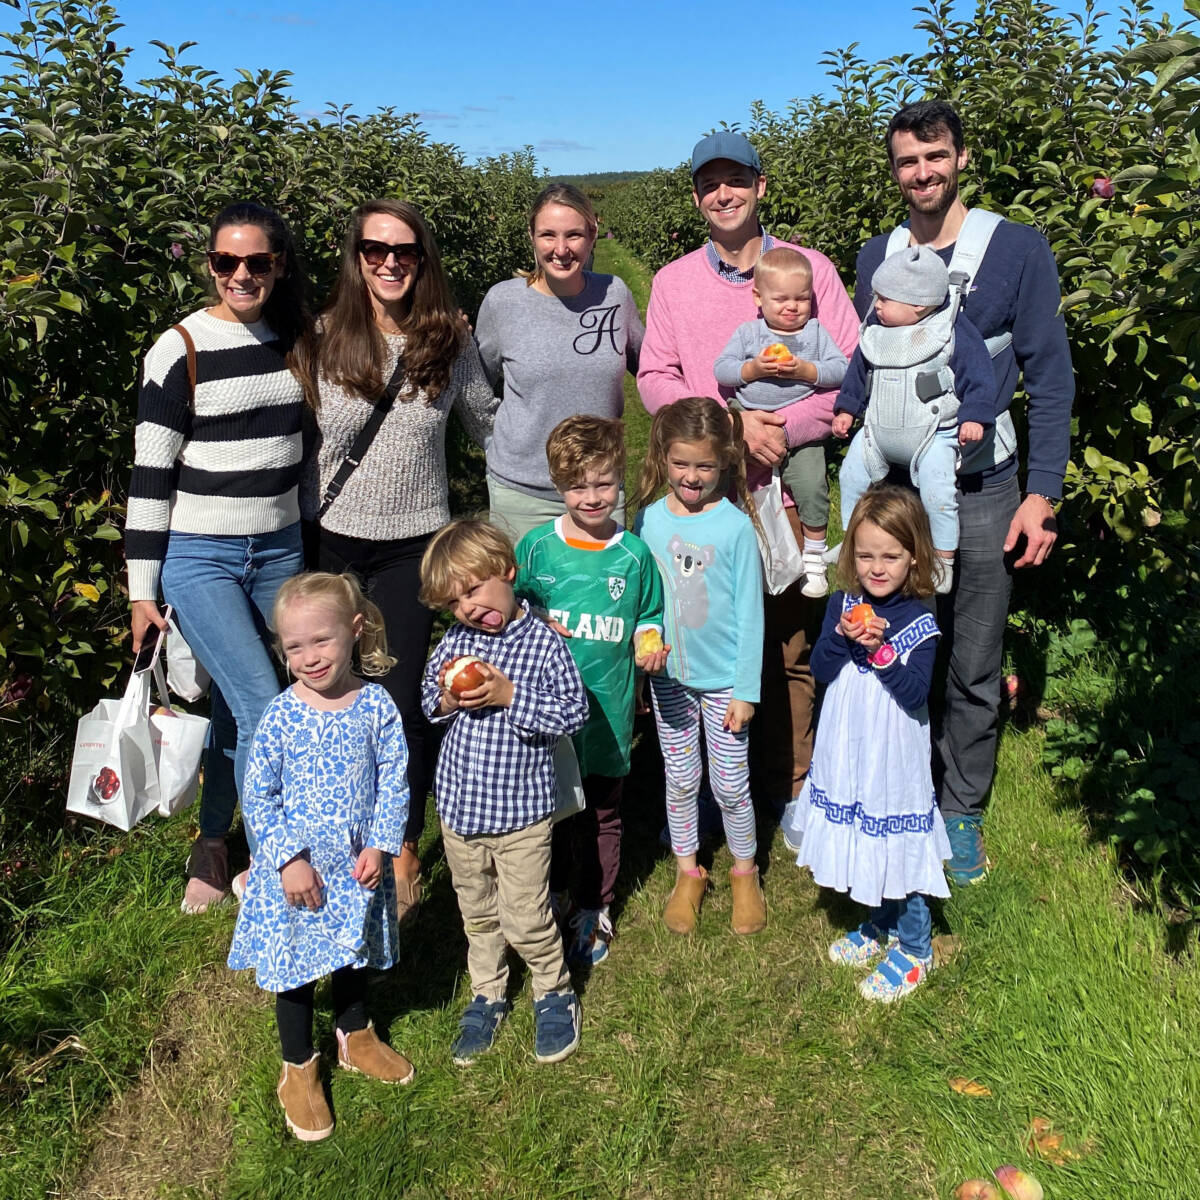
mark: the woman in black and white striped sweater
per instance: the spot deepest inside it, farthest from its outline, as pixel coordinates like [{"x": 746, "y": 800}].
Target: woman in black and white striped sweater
[{"x": 213, "y": 517}]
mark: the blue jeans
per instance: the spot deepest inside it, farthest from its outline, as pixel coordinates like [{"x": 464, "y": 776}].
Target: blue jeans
[
  {"x": 223, "y": 590},
  {"x": 910, "y": 921},
  {"x": 937, "y": 484},
  {"x": 972, "y": 619}
]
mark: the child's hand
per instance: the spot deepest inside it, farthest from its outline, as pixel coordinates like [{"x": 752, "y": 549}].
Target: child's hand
[
  {"x": 449, "y": 702},
  {"x": 496, "y": 691},
  {"x": 761, "y": 366},
  {"x": 546, "y": 619},
  {"x": 841, "y": 424},
  {"x": 652, "y": 664},
  {"x": 868, "y": 634},
  {"x": 639, "y": 697},
  {"x": 738, "y": 715},
  {"x": 970, "y": 431},
  {"x": 302, "y": 886},
  {"x": 368, "y": 870},
  {"x": 797, "y": 368}
]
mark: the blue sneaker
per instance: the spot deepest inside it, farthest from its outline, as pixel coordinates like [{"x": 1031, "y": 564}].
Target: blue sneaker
[
  {"x": 477, "y": 1029},
  {"x": 556, "y": 1023},
  {"x": 968, "y": 863},
  {"x": 593, "y": 932}
]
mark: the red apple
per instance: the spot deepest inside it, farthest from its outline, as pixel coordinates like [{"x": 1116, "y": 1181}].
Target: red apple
[
  {"x": 1102, "y": 186},
  {"x": 463, "y": 674}
]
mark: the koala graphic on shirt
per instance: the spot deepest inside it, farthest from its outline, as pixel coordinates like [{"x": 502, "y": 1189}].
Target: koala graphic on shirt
[{"x": 688, "y": 588}]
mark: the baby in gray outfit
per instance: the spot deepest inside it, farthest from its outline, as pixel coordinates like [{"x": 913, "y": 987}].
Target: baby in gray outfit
[{"x": 782, "y": 357}]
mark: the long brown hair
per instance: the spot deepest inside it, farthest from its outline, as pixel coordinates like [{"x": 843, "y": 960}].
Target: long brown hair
[
  {"x": 697, "y": 419},
  {"x": 899, "y": 513},
  {"x": 286, "y": 310},
  {"x": 352, "y": 351}
]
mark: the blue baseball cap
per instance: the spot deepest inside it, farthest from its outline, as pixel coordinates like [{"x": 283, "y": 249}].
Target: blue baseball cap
[{"x": 725, "y": 144}]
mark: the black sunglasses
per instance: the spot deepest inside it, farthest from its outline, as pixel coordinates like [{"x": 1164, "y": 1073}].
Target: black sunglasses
[
  {"x": 408, "y": 254},
  {"x": 226, "y": 264}
]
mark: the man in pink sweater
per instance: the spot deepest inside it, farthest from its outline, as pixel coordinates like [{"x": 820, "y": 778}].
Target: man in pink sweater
[{"x": 696, "y": 303}]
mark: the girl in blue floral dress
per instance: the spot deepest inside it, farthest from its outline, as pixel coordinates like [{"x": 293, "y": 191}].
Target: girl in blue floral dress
[
  {"x": 327, "y": 799},
  {"x": 867, "y": 820}
]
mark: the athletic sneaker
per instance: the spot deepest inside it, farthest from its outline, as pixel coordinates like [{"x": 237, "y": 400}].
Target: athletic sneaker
[
  {"x": 593, "y": 933},
  {"x": 895, "y": 977},
  {"x": 477, "y": 1029},
  {"x": 859, "y": 946},
  {"x": 968, "y": 863},
  {"x": 556, "y": 1023},
  {"x": 815, "y": 582},
  {"x": 791, "y": 824}
]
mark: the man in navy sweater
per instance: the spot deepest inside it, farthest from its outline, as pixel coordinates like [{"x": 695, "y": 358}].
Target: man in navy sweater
[{"x": 1014, "y": 290}]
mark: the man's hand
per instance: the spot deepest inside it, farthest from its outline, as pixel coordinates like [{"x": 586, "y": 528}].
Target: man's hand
[
  {"x": 970, "y": 431},
  {"x": 841, "y": 424},
  {"x": 765, "y": 439},
  {"x": 1034, "y": 521}
]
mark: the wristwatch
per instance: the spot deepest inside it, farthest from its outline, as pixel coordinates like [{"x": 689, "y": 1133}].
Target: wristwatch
[{"x": 1054, "y": 504}]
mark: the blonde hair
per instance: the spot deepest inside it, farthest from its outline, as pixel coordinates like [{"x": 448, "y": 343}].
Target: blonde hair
[
  {"x": 569, "y": 196},
  {"x": 898, "y": 512},
  {"x": 783, "y": 260},
  {"x": 342, "y": 594},
  {"x": 697, "y": 419},
  {"x": 584, "y": 443},
  {"x": 458, "y": 552}
]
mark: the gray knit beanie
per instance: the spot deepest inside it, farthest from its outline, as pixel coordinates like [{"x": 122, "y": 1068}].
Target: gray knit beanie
[{"x": 914, "y": 275}]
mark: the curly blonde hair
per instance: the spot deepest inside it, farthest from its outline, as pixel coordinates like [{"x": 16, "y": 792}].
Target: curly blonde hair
[
  {"x": 584, "y": 443},
  {"x": 343, "y": 595}
]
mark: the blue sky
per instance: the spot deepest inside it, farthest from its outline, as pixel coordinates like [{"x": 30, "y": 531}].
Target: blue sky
[{"x": 596, "y": 87}]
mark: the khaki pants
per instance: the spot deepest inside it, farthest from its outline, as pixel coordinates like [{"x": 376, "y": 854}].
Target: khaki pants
[{"x": 503, "y": 886}]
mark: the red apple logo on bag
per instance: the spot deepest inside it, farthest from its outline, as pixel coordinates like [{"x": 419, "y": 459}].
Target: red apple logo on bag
[{"x": 106, "y": 784}]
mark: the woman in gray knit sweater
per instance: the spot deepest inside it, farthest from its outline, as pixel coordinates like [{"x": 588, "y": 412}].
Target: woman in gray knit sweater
[
  {"x": 391, "y": 299},
  {"x": 562, "y": 337}
]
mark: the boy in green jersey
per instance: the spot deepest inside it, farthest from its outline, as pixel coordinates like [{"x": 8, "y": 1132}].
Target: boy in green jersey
[{"x": 600, "y": 586}]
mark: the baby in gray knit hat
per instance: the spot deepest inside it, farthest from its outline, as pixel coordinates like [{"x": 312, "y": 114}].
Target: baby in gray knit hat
[{"x": 923, "y": 381}]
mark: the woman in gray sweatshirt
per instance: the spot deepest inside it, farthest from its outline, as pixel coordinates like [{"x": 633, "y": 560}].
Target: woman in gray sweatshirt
[{"x": 561, "y": 338}]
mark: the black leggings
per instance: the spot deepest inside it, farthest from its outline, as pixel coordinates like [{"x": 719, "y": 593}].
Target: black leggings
[
  {"x": 390, "y": 574},
  {"x": 294, "y": 1012}
]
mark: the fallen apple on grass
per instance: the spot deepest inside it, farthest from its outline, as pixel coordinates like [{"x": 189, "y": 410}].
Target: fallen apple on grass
[{"x": 1020, "y": 1185}]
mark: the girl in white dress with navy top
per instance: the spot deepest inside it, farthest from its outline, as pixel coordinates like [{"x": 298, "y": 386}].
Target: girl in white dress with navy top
[{"x": 867, "y": 821}]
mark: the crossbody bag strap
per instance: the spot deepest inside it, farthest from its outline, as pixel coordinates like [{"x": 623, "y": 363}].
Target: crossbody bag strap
[
  {"x": 362, "y": 443},
  {"x": 190, "y": 347}
]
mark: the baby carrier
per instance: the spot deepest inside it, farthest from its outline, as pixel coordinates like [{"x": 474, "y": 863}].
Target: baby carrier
[{"x": 910, "y": 386}]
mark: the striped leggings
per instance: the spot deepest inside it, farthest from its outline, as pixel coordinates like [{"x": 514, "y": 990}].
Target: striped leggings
[{"x": 678, "y": 712}]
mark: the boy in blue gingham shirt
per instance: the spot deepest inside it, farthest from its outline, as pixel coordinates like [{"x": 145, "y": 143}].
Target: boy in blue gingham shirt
[{"x": 495, "y": 780}]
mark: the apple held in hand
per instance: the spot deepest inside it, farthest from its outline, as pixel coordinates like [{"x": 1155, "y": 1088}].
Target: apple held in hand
[
  {"x": 649, "y": 641},
  {"x": 860, "y": 614},
  {"x": 463, "y": 674},
  {"x": 779, "y": 352}
]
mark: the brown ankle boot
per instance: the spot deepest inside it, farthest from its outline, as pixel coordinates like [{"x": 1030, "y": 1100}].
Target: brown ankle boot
[
  {"x": 303, "y": 1099},
  {"x": 683, "y": 904},
  {"x": 362, "y": 1051},
  {"x": 207, "y": 874},
  {"x": 749, "y": 904}
]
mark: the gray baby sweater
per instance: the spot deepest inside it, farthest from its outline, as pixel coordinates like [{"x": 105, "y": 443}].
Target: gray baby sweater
[
  {"x": 557, "y": 358},
  {"x": 399, "y": 490},
  {"x": 812, "y": 343}
]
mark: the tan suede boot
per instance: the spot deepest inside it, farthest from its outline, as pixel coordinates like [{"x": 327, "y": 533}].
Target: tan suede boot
[
  {"x": 303, "y": 1099},
  {"x": 683, "y": 904},
  {"x": 749, "y": 903},
  {"x": 362, "y": 1051}
]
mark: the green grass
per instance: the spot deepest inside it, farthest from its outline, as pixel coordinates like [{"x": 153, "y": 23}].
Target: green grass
[{"x": 133, "y": 1064}]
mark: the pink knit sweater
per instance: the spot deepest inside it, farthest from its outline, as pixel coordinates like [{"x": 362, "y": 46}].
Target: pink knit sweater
[{"x": 693, "y": 313}]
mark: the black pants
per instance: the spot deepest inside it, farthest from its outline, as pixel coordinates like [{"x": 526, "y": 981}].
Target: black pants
[
  {"x": 294, "y": 1012},
  {"x": 390, "y": 575}
]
